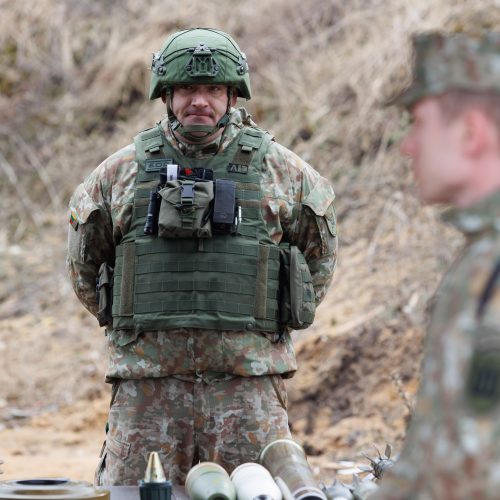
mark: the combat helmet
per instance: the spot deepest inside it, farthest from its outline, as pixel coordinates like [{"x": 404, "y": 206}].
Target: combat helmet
[{"x": 198, "y": 56}]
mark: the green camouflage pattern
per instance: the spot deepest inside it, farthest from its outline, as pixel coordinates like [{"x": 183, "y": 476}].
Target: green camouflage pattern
[
  {"x": 297, "y": 206},
  {"x": 452, "y": 449},
  {"x": 459, "y": 62},
  {"x": 214, "y": 417}
]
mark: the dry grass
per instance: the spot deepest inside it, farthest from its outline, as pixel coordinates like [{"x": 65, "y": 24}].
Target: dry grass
[{"x": 74, "y": 77}]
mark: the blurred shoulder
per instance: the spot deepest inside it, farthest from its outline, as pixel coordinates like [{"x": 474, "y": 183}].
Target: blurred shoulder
[
  {"x": 476, "y": 262},
  {"x": 468, "y": 282}
]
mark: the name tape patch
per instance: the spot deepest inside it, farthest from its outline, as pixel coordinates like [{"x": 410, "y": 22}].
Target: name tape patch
[
  {"x": 235, "y": 168},
  {"x": 155, "y": 165}
]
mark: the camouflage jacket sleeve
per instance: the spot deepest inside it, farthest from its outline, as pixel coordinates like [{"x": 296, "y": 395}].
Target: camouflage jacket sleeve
[
  {"x": 452, "y": 448},
  {"x": 302, "y": 204},
  {"x": 100, "y": 212}
]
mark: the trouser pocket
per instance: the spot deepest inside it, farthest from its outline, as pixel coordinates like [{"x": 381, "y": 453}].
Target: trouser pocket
[
  {"x": 280, "y": 389},
  {"x": 100, "y": 478}
]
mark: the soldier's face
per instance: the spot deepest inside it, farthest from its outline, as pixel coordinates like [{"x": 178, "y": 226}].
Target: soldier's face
[
  {"x": 200, "y": 104},
  {"x": 434, "y": 145}
]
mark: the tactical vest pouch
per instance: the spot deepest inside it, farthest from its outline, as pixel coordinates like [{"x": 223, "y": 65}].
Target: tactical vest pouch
[
  {"x": 185, "y": 209},
  {"x": 224, "y": 215},
  {"x": 104, "y": 290},
  {"x": 297, "y": 304}
]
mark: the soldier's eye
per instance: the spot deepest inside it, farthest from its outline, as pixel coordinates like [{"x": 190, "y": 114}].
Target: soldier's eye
[
  {"x": 184, "y": 88},
  {"x": 216, "y": 90}
]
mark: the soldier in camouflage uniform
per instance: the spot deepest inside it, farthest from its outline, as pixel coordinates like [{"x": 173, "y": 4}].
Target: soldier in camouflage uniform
[
  {"x": 199, "y": 325},
  {"x": 452, "y": 449}
]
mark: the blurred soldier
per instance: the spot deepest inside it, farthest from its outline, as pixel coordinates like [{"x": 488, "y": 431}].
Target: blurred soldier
[
  {"x": 211, "y": 241},
  {"x": 452, "y": 449}
]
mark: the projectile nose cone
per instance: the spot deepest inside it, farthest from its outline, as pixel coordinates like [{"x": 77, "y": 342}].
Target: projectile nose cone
[{"x": 154, "y": 470}]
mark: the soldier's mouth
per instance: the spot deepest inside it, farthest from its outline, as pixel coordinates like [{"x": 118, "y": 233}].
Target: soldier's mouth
[{"x": 199, "y": 118}]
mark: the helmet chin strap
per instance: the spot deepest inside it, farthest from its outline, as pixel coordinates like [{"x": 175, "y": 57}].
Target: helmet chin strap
[{"x": 196, "y": 134}]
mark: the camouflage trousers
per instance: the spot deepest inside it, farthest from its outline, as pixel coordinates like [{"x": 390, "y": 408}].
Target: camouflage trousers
[{"x": 219, "y": 418}]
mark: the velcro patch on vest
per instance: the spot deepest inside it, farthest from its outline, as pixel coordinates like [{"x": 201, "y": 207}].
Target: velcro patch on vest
[
  {"x": 155, "y": 165},
  {"x": 235, "y": 168}
]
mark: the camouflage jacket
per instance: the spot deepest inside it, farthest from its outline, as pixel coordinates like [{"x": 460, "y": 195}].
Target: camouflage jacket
[
  {"x": 452, "y": 449},
  {"x": 296, "y": 200}
]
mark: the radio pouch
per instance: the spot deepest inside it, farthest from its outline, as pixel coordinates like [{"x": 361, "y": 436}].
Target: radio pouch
[
  {"x": 185, "y": 209},
  {"x": 224, "y": 216},
  {"x": 297, "y": 304}
]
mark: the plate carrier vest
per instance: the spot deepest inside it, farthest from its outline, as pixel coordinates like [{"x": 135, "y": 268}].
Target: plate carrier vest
[{"x": 227, "y": 282}]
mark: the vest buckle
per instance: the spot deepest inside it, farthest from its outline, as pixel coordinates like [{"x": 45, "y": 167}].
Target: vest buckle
[{"x": 187, "y": 193}]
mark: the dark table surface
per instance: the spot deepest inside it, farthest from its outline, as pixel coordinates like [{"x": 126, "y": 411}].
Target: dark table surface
[{"x": 132, "y": 493}]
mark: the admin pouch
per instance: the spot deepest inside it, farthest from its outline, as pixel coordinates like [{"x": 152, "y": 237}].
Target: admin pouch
[
  {"x": 297, "y": 304},
  {"x": 185, "y": 209}
]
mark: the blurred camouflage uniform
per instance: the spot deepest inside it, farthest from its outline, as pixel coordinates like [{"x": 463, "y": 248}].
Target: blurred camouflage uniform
[
  {"x": 452, "y": 449},
  {"x": 191, "y": 393}
]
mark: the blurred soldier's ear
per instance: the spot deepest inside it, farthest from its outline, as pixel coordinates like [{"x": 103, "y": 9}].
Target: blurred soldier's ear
[{"x": 480, "y": 133}]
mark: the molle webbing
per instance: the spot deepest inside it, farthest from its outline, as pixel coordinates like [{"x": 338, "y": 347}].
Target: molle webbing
[
  {"x": 249, "y": 142},
  {"x": 151, "y": 141},
  {"x": 127, "y": 281},
  {"x": 227, "y": 282},
  {"x": 175, "y": 277},
  {"x": 262, "y": 278}
]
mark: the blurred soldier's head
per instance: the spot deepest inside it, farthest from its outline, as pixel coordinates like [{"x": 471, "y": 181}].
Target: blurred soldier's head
[
  {"x": 454, "y": 100},
  {"x": 199, "y": 73}
]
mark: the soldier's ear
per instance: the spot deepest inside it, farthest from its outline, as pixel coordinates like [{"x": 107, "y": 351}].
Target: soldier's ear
[{"x": 480, "y": 133}]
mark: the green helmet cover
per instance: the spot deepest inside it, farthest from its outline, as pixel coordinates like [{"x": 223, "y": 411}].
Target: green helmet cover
[{"x": 199, "y": 56}]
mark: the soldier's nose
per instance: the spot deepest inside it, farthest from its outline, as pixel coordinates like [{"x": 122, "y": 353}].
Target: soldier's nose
[{"x": 199, "y": 99}]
